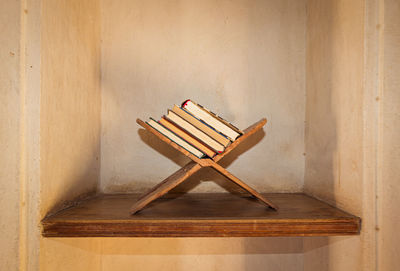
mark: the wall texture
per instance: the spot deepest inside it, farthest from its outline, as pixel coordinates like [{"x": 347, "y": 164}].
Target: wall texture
[
  {"x": 10, "y": 113},
  {"x": 334, "y": 124},
  {"x": 352, "y": 127},
  {"x": 388, "y": 185},
  {"x": 244, "y": 60},
  {"x": 69, "y": 116},
  {"x": 177, "y": 254},
  {"x": 70, "y": 100}
]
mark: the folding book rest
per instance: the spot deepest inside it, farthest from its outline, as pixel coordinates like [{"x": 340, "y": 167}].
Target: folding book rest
[{"x": 193, "y": 166}]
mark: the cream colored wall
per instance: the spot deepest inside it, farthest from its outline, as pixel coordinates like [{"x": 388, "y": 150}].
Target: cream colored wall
[
  {"x": 388, "y": 184},
  {"x": 177, "y": 254},
  {"x": 70, "y": 100},
  {"x": 69, "y": 116},
  {"x": 244, "y": 60},
  {"x": 352, "y": 127},
  {"x": 334, "y": 124},
  {"x": 10, "y": 113},
  {"x": 335, "y": 44}
]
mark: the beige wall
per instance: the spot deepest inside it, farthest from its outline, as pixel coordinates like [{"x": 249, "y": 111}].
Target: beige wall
[
  {"x": 248, "y": 58},
  {"x": 352, "y": 128},
  {"x": 10, "y": 113},
  {"x": 177, "y": 254},
  {"x": 334, "y": 124},
  {"x": 335, "y": 44},
  {"x": 244, "y": 60},
  {"x": 69, "y": 117},
  {"x": 388, "y": 185},
  {"x": 70, "y": 100}
]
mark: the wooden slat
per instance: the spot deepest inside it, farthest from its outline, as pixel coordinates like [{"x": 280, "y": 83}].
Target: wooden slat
[
  {"x": 170, "y": 142},
  {"x": 169, "y": 183},
  {"x": 247, "y": 133},
  {"x": 243, "y": 185},
  {"x": 201, "y": 215}
]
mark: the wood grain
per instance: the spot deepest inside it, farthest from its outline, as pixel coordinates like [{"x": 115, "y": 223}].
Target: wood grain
[
  {"x": 169, "y": 142},
  {"x": 162, "y": 188},
  {"x": 243, "y": 185},
  {"x": 201, "y": 215}
]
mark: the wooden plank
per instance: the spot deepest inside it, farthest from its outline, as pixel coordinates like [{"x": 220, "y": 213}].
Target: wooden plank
[
  {"x": 243, "y": 185},
  {"x": 247, "y": 133},
  {"x": 169, "y": 183},
  {"x": 201, "y": 215},
  {"x": 170, "y": 142}
]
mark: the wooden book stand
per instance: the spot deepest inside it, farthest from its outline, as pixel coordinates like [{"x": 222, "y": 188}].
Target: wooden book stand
[{"x": 193, "y": 166}]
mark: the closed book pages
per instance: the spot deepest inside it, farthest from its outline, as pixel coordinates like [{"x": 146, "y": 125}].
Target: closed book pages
[
  {"x": 201, "y": 126},
  {"x": 192, "y": 130},
  {"x": 173, "y": 137},
  {"x": 191, "y": 140},
  {"x": 212, "y": 119}
]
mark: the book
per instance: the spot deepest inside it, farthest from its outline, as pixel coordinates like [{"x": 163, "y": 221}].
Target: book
[
  {"x": 185, "y": 136},
  {"x": 192, "y": 130},
  {"x": 212, "y": 119},
  {"x": 173, "y": 137},
  {"x": 201, "y": 125}
]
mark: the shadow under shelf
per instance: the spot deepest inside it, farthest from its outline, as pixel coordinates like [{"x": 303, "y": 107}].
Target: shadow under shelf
[{"x": 201, "y": 215}]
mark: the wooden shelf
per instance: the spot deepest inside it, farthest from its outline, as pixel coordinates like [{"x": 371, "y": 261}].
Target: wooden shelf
[{"x": 200, "y": 215}]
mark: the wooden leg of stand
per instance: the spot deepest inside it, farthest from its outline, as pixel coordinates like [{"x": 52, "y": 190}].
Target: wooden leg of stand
[
  {"x": 165, "y": 186},
  {"x": 236, "y": 180}
]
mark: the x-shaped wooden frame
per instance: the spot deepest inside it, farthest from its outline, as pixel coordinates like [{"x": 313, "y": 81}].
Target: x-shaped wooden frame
[{"x": 196, "y": 164}]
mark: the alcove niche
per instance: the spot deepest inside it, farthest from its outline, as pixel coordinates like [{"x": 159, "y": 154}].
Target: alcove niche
[{"x": 106, "y": 64}]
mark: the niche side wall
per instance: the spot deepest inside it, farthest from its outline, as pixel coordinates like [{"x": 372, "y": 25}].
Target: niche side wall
[
  {"x": 334, "y": 124},
  {"x": 10, "y": 113},
  {"x": 69, "y": 120},
  {"x": 70, "y": 101},
  {"x": 352, "y": 128}
]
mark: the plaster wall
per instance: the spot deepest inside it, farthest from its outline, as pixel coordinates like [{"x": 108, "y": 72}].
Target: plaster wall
[
  {"x": 388, "y": 188},
  {"x": 178, "y": 254},
  {"x": 10, "y": 113},
  {"x": 244, "y": 60},
  {"x": 70, "y": 101},
  {"x": 69, "y": 117},
  {"x": 352, "y": 127},
  {"x": 334, "y": 125}
]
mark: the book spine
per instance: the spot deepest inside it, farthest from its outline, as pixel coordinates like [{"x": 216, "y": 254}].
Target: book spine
[
  {"x": 200, "y": 131},
  {"x": 230, "y": 125},
  {"x": 221, "y": 119},
  {"x": 205, "y": 124},
  {"x": 199, "y": 156},
  {"x": 210, "y": 153}
]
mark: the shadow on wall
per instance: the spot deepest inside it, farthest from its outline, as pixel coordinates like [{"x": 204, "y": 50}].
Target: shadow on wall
[{"x": 73, "y": 194}]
